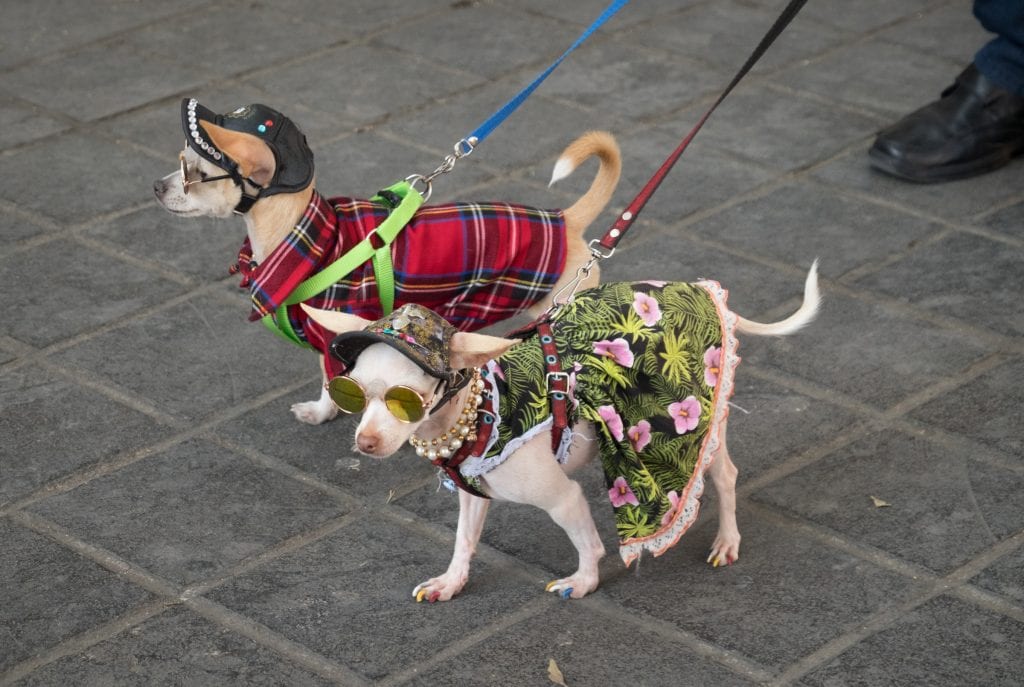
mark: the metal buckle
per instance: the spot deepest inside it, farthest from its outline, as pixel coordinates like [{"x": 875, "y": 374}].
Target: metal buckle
[{"x": 556, "y": 375}]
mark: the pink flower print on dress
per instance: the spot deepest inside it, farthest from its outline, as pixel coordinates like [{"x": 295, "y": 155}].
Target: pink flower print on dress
[
  {"x": 647, "y": 308},
  {"x": 673, "y": 498},
  {"x": 640, "y": 435},
  {"x": 712, "y": 365},
  {"x": 612, "y": 421},
  {"x": 686, "y": 414},
  {"x": 620, "y": 493},
  {"x": 617, "y": 349}
]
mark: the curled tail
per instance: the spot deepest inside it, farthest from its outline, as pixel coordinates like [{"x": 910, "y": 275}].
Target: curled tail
[
  {"x": 593, "y": 143},
  {"x": 803, "y": 316}
]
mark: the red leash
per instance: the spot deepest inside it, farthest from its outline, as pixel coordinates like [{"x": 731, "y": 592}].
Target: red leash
[{"x": 628, "y": 216}]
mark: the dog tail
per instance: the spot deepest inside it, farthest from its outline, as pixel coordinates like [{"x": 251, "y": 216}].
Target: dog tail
[
  {"x": 593, "y": 143},
  {"x": 803, "y": 316}
]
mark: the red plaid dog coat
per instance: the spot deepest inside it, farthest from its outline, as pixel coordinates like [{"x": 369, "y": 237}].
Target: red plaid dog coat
[{"x": 474, "y": 264}]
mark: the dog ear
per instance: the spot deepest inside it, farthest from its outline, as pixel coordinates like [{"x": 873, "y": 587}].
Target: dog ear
[
  {"x": 473, "y": 350},
  {"x": 336, "y": 322},
  {"x": 254, "y": 157}
]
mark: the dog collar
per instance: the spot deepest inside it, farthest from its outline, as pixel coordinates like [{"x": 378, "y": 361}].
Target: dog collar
[{"x": 293, "y": 160}]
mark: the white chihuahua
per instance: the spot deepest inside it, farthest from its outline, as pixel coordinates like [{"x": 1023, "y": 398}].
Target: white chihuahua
[
  {"x": 474, "y": 263},
  {"x": 643, "y": 372}
]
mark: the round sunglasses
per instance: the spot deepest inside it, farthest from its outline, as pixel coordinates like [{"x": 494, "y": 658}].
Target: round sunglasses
[{"x": 405, "y": 403}]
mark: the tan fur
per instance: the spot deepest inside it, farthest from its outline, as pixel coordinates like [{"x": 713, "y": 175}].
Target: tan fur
[{"x": 272, "y": 218}]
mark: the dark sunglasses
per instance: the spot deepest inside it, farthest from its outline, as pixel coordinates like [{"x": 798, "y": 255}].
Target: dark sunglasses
[{"x": 405, "y": 403}]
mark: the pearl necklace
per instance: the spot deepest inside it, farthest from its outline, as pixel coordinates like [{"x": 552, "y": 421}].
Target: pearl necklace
[{"x": 462, "y": 431}]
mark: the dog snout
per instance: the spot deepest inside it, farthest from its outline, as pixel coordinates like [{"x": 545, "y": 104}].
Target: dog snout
[
  {"x": 367, "y": 442},
  {"x": 159, "y": 187}
]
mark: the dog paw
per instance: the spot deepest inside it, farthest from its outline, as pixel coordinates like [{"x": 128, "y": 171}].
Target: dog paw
[
  {"x": 575, "y": 587},
  {"x": 724, "y": 551},
  {"x": 314, "y": 412},
  {"x": 436, "y": 589}
]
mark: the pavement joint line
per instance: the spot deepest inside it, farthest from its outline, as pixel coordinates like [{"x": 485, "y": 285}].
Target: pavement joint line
[
  {"x": 954, "y": 380},
  {"x": 735, "y": 661},
  {"x": 793, "y": 464},
  {"x": 989, "y": 601},
  {"x": 285, "y": 468},
  {"x": 852, "y": 276},
  {"x": 81, "y": 642},
  {"x": 147, "y": 264},
  {"x": 122, "y": 568},
  {"x": 1010, "y": 201},
  {"x": 110, "y": 465},
  {"x": 454, "y": 649},
  {"x": 886, "y": 618},
  {"x": 32, "y": 217},
  {"x": 273, "y": 640},
  {"x": 840, "y": 542},
  {"x": 937, "y": 435},
  {"x": 268, "y": 555},
  {"x": 990, "y": 338}
]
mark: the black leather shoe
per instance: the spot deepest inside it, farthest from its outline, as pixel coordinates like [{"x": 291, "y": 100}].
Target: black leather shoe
[{"x": 973, "y": 128}]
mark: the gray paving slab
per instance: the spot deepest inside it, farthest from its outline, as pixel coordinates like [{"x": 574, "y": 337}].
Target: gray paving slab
[
  {"x": 189, "y": 512},
  {"x": 325, "y": 451},
  {"x": 967, "y": 276},
  {"x": 51, "y": 594},
  {"x": 1008, "y": 220},
  {"x": 335, "y": 597},
  {"x": 205, "y": 343},
  {"x": 102, "y": 78},
  {"x": 1003, "y": 577},
  {"x": 906, "y": 653},
  {"x": 175, "y": 648},
  {"x": 763, "y": 606},
  {"x": 842, "y": 232},
  {"x": 43, "y": 442},
  {"x": 944, "y": 507},
  {"x": 200, "y": 249},
  {"x": 73, "y": 178},
  {"x": 993, "y": 403},
  {"x": 906, "y": 355},
  {"x": 574, "y": 639},
  {"x": 955, "y": 201},
  {"x": 25, "y": 123},
  {"x": 64, "y": 290},
  {"x": 145, "y": 424}
]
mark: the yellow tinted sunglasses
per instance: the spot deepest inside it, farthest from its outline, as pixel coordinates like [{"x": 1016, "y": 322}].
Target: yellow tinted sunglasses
[{"x": 405, "y": 403}]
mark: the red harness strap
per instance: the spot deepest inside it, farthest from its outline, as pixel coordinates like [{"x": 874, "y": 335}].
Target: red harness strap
[
  {"x": 557, "y": 382},
  {"x": 472, "y": 447}
]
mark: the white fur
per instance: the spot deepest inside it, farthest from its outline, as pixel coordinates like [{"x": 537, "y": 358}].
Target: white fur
[{"x": 531, "y": 474}]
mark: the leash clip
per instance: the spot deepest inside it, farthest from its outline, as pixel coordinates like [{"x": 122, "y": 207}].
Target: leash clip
[
  {"x": 574, "y": 285},
  {"x": 461, "y": 149}
]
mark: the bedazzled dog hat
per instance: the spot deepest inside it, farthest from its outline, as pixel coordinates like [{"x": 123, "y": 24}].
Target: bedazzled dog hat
[
  {"x": 292, "y": 156},
  {"x": 416, "y": 332}
]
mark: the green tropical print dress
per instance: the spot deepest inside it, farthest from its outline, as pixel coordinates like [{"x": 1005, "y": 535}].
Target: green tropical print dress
[{"x": 651, "y": 365}]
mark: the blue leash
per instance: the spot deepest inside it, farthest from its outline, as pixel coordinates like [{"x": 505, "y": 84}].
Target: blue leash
[
  {"x": 485, "y": 129},
  {"x": 466, "y": 146}
]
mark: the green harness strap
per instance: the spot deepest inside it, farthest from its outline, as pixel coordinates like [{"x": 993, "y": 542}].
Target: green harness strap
[{"x": 383, "y": 270}]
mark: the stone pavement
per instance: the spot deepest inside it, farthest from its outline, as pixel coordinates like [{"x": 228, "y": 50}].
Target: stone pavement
[{"x": 165, "y": 521}]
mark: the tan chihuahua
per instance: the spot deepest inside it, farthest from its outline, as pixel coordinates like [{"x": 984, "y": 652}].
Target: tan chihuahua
[
  {"x": 474, "y": 263},
  {"x": 649, "y": 371}
]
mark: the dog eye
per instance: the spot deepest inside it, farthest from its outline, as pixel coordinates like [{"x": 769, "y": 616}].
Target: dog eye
[{"x": 203, "y": 175}]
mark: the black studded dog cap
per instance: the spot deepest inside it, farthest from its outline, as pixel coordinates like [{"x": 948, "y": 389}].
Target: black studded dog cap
[{"x": 292, "y": 155}]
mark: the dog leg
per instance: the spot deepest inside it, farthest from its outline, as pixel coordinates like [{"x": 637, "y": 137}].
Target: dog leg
[
  {"x": 533, "y": 476},
  {"x": 318, "y": 411},
  {"x": 726, "y": 548},
  {"x": 472, "y": 512}
]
